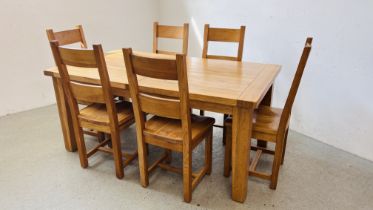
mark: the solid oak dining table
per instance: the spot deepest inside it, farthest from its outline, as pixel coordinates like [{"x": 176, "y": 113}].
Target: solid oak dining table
[{"x": 229, "y": 87}]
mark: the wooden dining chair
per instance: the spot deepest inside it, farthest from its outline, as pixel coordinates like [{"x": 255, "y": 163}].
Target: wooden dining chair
[
  {"x": 223, "y": 35},
  {"x": 104, "y": 114},
  {"x": 68, "y": 37},
  {"x": 172, "y": 127},
  {"x": 271, "y": 125},
  {"x": 170, "y": 32},
  {"x": 73, "y": 36}
]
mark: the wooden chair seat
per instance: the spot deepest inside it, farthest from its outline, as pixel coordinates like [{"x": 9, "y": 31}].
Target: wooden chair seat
[
  {"x": 266, "y": 121},
  {"x": 95, "y": 116},
  {"x": 170, "y": 129}
]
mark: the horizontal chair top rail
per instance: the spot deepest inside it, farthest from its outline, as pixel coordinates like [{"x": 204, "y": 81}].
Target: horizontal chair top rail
[
  {"x": 78, "y": 57},
  {"x": 245, "y": 82},
  {"x": 171, "y": 32},
  {"x": 69, "y": 36},
  {"x": 154, "y": 65},
  {"x": 224, "y": 35},
  {"x": 73, "y": 34}
]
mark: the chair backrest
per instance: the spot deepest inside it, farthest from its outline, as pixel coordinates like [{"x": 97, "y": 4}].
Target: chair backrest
[
  {"x": 170, "y": 32},
  {"x": 223, "y": 35},
  {"x": 159, "y": 67},
  {"x": 67, "y": 37},
  {"x": 78, "y": 91},
  {"x": 295, "y": 85}
]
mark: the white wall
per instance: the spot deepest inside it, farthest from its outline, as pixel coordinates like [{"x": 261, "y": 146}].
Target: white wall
[
  {"x": 25, "y": 51},
  {"x": 335, "y": 100}
]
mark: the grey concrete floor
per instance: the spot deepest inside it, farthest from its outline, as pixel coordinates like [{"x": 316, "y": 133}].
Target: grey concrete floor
[{"x": 37, "y": 173}]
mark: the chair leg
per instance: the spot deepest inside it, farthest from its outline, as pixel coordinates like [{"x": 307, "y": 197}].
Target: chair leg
[
  {"x": 284, "y": 147},
  {"x": 225, "y": 117},
  {"x": 276, "y": 164},
  {"x": 147, "y": 149},
  {"x": 202, "y": 112},
  {"x": 109, "y": 144},
  {"x": 117, "y": 154},
  {"x": 81, "y": 147},
  {"x": 100, "y": 137},
  {"x": 143, "y": 151},
  {"x": 187, "y": 174},
  {"x": 169, "y": 156},
  {"x": 208, "y": 153},
  {"x": 228, "y": 151}
]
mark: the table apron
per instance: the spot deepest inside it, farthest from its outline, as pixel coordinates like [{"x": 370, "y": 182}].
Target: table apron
[{"x": 195, "y": 104}]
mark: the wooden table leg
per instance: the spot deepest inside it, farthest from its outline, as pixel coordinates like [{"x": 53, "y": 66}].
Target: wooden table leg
[
  {"x": 65, "y": 117},
  {"x": 241, "y": 133},
  {"x": 267, "y": 100}
]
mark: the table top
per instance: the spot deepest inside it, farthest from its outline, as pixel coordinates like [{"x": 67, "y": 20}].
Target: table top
[{"x": 218, "y": 81}]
